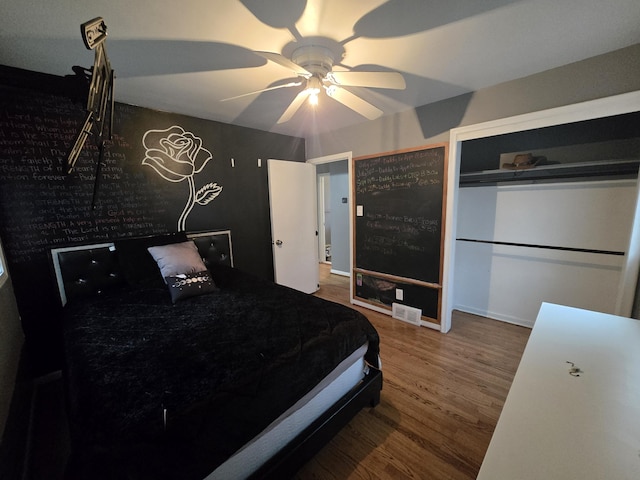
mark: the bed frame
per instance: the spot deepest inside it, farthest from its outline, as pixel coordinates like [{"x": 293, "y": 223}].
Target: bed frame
[
  {"x": 87, "y": 269},
  {"x": 303, "y": 447}
]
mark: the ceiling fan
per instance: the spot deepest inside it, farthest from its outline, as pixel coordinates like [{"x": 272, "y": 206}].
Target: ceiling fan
[{"x": 313, "y": 64}]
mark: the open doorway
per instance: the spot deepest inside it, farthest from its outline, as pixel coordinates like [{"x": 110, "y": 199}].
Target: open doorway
[
  {"x": 333, "y": 175},
  {"x": 333, "y": 216},
  {"x": 324, "y": 216}
]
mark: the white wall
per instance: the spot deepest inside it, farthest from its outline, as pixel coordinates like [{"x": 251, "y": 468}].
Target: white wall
[
  {"x": 510, "y": 282},
  {"x": 324, "y": 212},
  {"x": 339, "y": 217}
]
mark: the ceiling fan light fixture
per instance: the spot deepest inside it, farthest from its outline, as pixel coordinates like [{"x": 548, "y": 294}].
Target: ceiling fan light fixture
[
  {"x": 315, "y": 59},
  {"x": 314, "y": 86},
  {"x": 314, "y": 63}
]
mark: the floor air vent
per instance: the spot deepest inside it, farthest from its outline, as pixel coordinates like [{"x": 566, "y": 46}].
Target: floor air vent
[{"x": 406, "y": 314}]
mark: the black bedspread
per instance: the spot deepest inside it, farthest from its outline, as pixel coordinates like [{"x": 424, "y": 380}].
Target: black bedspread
[{"x": 158, "y": 390}]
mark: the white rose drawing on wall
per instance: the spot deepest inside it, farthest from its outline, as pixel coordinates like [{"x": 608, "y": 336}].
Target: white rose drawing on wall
[{"x": 178, "y": 155}]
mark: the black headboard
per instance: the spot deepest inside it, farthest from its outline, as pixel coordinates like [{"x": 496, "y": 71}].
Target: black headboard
[{"x": 88, "y": 269}]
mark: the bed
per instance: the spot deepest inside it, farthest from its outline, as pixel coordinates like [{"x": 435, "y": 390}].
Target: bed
[{"x": 180, "y": 369}]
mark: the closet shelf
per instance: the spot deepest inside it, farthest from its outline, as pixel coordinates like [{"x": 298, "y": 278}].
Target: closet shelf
[{"x": 565, "y": 171}]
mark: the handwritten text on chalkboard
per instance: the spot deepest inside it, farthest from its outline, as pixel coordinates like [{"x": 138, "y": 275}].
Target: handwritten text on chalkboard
[
  {"x": 400, "y": 196},
  {"x": 402, "y": 171}
]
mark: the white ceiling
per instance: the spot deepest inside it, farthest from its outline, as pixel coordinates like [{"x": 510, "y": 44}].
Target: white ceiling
[{"x": 186, "y": 56}]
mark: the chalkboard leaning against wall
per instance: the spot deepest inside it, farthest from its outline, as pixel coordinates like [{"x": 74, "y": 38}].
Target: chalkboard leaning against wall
[{"x": 398, "y": 235}]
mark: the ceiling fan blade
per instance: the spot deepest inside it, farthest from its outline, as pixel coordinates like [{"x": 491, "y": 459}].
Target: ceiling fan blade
[
  {"x": 392, "y": 80},
  {"x": 294, "y": 106},
  {"x": 286, "y": 85},
  {"x": 285, "y": 62},
  {"x": 356, "y": 104}
]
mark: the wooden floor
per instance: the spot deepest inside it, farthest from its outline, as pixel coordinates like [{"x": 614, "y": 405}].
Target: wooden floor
[{"x": 440, "y": 402}]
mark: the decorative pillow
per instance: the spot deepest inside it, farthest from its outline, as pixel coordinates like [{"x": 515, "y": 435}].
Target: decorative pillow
[
  {"x": 138, "y": 267},
  {"x": 185, "y": 285},
  {"x": 177, "y": 258}
]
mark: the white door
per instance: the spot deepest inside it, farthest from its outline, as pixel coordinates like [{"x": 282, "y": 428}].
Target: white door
[{"x": 292, "y": 198}]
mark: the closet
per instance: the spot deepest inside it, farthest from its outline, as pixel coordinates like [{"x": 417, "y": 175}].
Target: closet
[{"x": 557, "y": 230}]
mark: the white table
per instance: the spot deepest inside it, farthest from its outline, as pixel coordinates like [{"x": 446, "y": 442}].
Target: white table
[{"x": 555, "y": 425}]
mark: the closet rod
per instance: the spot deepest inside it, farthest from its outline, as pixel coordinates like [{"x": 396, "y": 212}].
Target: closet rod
[{"x": 547, "y": 247}]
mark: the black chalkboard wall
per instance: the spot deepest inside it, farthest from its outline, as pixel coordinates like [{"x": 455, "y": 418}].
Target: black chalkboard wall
[
  {"x": 398, "y": 227},
  {"x": 41, "y": 208}
]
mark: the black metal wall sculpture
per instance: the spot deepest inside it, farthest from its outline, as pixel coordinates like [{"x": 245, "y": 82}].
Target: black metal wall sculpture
[{"x": 99, "y": 118}]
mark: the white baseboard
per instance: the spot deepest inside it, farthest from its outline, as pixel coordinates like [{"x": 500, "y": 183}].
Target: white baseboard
[
  {"x": 339, "y": 272},
  {"x": 496, "y": 316}
]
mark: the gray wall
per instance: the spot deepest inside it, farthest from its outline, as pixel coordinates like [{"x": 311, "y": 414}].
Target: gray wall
[
  {"x": 11, "y": 340},
  {"x": 602, "y": 76},
  {"x": 339, "y": 216}
]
